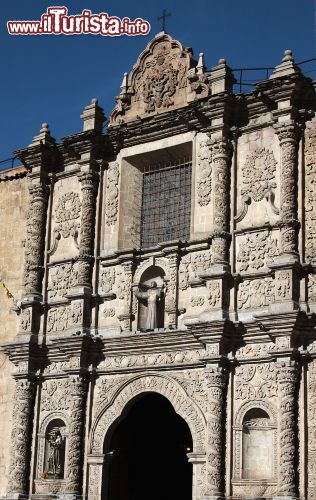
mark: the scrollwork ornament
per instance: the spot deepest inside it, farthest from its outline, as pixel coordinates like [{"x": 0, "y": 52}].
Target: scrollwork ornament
[
  {"x": 205, "y": 174},
  {"x": 67, "y": 212},
  {"x": 258, "y": 174},
  {"x": 112, "y": 194}
]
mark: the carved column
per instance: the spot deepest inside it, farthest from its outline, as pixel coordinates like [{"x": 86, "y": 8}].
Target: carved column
[
  {"x": 78, "y": 392},
  {"x": 215, "y": 380},
  {"x": 21, "y": 438},
  {"x": 171, "y": 304},
  {"x": 287, "y": 379},
  {"x": 221, "y": 150},
  {"x": 125, "y": 293},
  {"x": 288, "y": 136},
  {"x": 311, "y": 457},
  {"x": 35, "y": 239},
  {"x": 89, "y": 187}
]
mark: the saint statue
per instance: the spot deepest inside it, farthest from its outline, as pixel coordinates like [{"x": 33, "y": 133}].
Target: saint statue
[
  {"x": 152, "y": 295},
  {"x": 54, "y": 458}
]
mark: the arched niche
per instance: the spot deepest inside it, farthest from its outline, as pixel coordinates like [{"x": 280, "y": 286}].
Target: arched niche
[
  {"x": 257, "y": 445},
  {"x": 153, "y": 274},
  {"x": 52, "y": 449},
  {"x": 55, "y": 446}
]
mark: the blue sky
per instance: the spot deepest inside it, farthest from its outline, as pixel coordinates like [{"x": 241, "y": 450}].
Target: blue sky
[{"x": 52, "y": 78}]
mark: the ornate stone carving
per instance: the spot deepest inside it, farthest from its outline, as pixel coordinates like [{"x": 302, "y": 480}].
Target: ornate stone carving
[
  {"x": 287, "y": 378},
  {"x": 214, "y": 288},
  {"x": 58, "y": 319},
  {"x": 77, "y": 389},
  {"x": 204, "y": 168},
  {"x": 310, "y": 194},
  {"x": 283, "y": 285},
  {"x": 112, "y": 193},
  {"x": 89, "y": 187},
  {"x": 25, "y": 321},
  {"x": 215, "y": 381},
  {"x": 288, "y": 137},
  {"x": 163, "y": 385},
  {"x": 107, "y": 279},
  {"x": 62, "y": 278},
  {"x": 258, "y": 174},
  {"x": 163, "y": 74},
  {"x": 35, "y": 239},
  {"x": 191, "y": 265},
  {"x": 197, "y": 301},
  {"x": 254, "y": 350},
  {"x": 256, "y": 250},
  {"x": 311, "y": 408},
  {"x": 221, "y": 161},
  {"x": 109, "y": 312},
  {"x": 21, "y": 436},
  {"x": 256, "y": 382},
  {"x": 150, "y": 360},
  {"x": 69, "y": 396},
  {"x": 311, "y": 287},
  {"x": 255, "y": 293},
  {"x": 67, "y": 213}
]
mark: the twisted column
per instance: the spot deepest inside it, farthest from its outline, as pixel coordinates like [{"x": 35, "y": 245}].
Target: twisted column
[
  {"x": 216, "y": 382},
  {"x": 35, "y": 239},
  {"x": 21, "y": 437},
  {"x": 288, "y": 136},
  {"x": 89, "y": 186},
  {"x": 78, "y": 392},
  {"x": 221, "y": 151},
  {"x": 287, "y": 378}
]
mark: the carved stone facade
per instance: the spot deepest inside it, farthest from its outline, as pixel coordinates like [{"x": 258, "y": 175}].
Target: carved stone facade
[{"x": 232, "y": 343}]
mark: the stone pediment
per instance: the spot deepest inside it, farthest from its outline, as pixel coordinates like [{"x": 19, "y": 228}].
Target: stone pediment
[{"x": 166, "y": 76}]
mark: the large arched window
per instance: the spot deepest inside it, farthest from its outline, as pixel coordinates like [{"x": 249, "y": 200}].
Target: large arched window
[{"x": 257, "y": 445}]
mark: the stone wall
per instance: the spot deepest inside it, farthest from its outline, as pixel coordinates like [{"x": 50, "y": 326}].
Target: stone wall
[{"x": 13, "y": 209}]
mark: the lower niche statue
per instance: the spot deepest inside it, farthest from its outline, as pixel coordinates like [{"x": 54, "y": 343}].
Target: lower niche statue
[
  {"x": 55, "y": 454},
  {"x": 152, "y": 295}
]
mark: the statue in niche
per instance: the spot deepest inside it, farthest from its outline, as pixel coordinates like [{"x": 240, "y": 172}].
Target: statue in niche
[
  {"x": 152, "y": 296},
  {"x": 55, "y": 451}
]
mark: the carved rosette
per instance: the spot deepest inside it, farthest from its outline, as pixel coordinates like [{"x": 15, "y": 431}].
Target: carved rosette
[
  {"x": 77, "y": 391},
  {"x": 216, "y": 381},
  {"x": 221, "y": 178},
  {"x": 312, "y": 430},
  {"x": 288, "y": 137},
  {"x": 35, "y": 239},
  {"x": 89, "y": 185},
  {"x": 21, "y": 436},
  {"x": 287, "y": 379}
]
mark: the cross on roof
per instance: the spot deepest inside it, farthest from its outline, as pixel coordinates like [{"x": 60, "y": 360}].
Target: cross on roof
[{"x": 163, "y": 18}]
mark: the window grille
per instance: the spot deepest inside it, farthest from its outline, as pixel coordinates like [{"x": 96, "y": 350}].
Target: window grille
[{"x": 166, "y": 202}]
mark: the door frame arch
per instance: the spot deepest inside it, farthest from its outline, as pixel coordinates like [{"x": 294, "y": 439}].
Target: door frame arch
[{"x": 112, "y": 411}]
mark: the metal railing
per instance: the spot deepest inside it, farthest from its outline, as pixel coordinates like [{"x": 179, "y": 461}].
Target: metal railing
[{"x": 248, "y": 84}]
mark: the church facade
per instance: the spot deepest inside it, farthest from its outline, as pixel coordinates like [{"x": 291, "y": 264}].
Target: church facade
[{"x": 168, "y": 289}]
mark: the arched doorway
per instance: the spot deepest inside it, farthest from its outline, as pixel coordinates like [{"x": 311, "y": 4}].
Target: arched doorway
[{"x": 146, "y": 454}]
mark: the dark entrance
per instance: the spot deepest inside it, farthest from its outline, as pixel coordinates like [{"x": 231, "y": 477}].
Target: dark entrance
[{"x": 149, "y": 460}]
